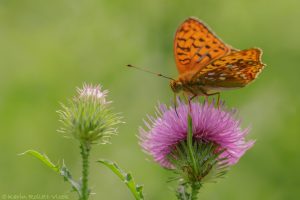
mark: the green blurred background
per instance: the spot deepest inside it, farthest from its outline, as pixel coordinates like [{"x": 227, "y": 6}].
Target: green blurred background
[{"x": 48, "y": 48}]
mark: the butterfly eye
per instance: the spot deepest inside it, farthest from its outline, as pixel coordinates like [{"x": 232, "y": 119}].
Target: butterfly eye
[{"x": 176, "y": 86}]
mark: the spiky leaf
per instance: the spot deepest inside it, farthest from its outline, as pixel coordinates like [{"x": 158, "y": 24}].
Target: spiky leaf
[
  {"x": 136, "y": 190},
  {"x": 61, "y": 170}
]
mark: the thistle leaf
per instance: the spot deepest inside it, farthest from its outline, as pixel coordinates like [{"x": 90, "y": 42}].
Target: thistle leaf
[
  {"x": 63, "y": 170},
  {"x": 42, "y": 157},
  {"x": 136, "y": 190}
]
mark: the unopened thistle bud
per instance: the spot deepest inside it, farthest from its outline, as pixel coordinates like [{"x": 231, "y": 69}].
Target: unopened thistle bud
[{"x": 88, "y": 117}]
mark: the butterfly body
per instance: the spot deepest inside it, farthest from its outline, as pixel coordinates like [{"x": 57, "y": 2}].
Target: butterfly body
[
  {"x": 198, "y": 87},
  {"x": 207, "y": 65}
]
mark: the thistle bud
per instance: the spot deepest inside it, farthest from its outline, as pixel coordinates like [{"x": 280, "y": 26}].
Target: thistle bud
[{"x": 88, "y": 117}]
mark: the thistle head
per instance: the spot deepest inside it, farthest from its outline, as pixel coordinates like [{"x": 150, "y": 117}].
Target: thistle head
[
  {"x": 88, "y": 117},
  {"x": 218, "y": 141}
]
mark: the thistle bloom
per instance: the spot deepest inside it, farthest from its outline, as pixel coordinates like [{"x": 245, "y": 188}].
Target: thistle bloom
[
  {"x": 209, "y": 124},
  {"x": 88, "y": 116},
  {"x": 94, "y": 92}
]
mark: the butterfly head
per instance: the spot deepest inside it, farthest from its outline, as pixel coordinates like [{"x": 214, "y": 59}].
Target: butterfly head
[{"x": 176, "y": 86}]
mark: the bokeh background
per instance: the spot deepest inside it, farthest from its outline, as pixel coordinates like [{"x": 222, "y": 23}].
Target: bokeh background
[{"x": 48, "y": 48}]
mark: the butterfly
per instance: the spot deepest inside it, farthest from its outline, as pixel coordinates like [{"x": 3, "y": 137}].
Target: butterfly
[{"x": 207, "y": 65}]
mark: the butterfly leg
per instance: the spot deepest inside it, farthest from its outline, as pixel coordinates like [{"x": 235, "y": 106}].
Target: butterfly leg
[
  {"x": 190, "y": 106},
  {"x": 191, "y": 98},
  {"x": 175, "y": 104},
  {"x": 218, "y": 99},
  {"x": 206, "y": 95},
  {"x": 206, "y": 99}
]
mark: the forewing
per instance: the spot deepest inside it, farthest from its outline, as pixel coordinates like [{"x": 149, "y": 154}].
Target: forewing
[
  {"x": 234, "y": 70},
  {"x": 195, "y": 46}
]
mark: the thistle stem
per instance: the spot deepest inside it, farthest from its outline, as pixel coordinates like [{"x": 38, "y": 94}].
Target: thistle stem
[
  {"x": 85, "y": 152},
  {"x": 188, "y": 191},
  {"x": 195, "y": 190},
  {"x": 190, "y": 143}
]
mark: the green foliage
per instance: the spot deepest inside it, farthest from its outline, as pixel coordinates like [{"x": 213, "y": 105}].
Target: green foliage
[
  {"x": 207, "y": 167},
  {"x": 187, "y": 191},
  {"x": 61, "y": 170},
  {"x": 136, "y": 190},
  {"x": 196, "y": 162},
  {"x": 42, "y": 157},
  {"x": 89, "y": 120},
  {"x": 85, "y": 153}
]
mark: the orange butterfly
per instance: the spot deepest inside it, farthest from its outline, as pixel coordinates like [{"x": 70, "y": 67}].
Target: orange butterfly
[{"x": 207, "y": 65}]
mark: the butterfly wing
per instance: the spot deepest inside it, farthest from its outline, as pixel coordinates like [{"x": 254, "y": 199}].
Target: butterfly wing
[
  {"x": 195, "y": 46},
  {"x": 234, "y": 70}
]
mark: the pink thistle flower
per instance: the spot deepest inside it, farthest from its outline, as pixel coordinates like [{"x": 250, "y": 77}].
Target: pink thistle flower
[
  {"x": 210, "y": 124},
  {"x": 93, "y": 91}
]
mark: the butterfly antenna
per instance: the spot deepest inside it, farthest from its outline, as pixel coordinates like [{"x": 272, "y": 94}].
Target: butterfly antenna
[{"x": 145, "y": 70}]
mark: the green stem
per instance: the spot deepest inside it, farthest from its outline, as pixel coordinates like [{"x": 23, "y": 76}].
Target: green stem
[
  {"x": 85, "y": 152},
  {"x": 190, "y": 143},
  {"x": 195, "y": 190},
  {"x": 188, "y": 191}
]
